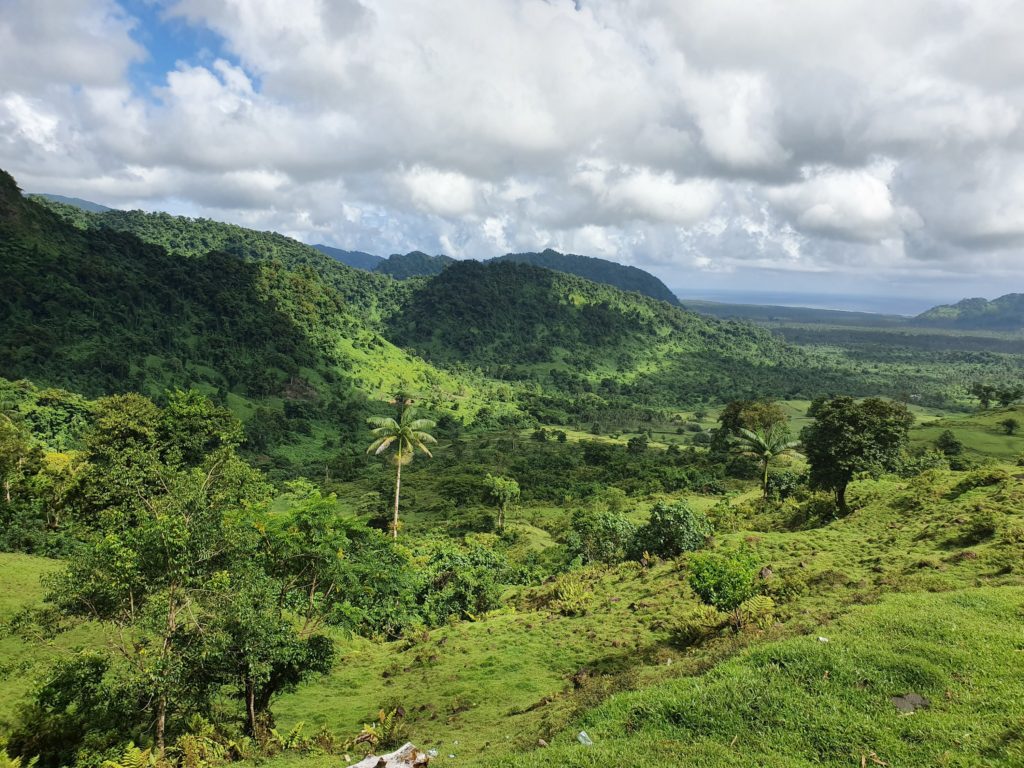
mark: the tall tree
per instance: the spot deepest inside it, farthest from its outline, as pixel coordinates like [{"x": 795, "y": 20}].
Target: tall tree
[
  {"x": 504, "y": 491},
  {"x": 764, "y": 445},
  {"x": 850, "y": 436},
  {"x": 406, "y": 435}
]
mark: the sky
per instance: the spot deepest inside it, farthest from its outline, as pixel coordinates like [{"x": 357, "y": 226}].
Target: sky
[{"x": 847, "y": 147}]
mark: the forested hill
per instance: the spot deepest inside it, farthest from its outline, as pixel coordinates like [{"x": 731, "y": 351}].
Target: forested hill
[
  {"x": 1003, "y": 314},
  {"x": 521, "y": 322},
  {"x": 403, "y": 266},
  {"x": 599, "y": 270},
  {"x": 357, "y": 259},
  {"x": 123, "y": 301}
]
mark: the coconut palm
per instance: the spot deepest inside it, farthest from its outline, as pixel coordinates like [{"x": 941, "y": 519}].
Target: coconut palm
[
  {"x": 406, "y": 435},
  {"x": 764, "y": 445}
]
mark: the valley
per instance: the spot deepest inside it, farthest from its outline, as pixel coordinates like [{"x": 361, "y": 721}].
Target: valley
[{"x": 705, "y": 534}]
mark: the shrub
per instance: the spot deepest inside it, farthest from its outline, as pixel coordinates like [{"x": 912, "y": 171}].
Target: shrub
[
  {"x": 461, "y": 582},
  {"x": 782, "y": 485},
  {"x": 599, "y": 536},
  {"x": 572, "y": 594},
  {"x": 949, "y": 443},
  {"x": 672, "y": 530},
  {"x": 723, "y": 579}
]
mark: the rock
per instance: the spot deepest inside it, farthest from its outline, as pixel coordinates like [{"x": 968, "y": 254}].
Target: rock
[
  {"x": 910, "y": 702},
  {"x": 766, "y": 573},
  {"x": 406, "y": 756},
  {"x": 583, "y": 739},
  {"x": 541, "y": 743},
  {"x": 822, "y": 639}
]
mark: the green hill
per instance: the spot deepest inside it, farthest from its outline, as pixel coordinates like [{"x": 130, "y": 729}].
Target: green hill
[
  {"x": 121, "y": 301},
  {"x": 402, "y": 266},
  {"x": 77, "y": 202},
  {"x": 522, "y": 322},
  {"x": 357, "y": 259},
  {"x": 1003, "y": 314},
  {"x": 599, "y": 270}
]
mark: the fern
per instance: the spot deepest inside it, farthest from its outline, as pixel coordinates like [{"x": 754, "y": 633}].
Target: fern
[
  {"x": 6, "y": 761},
  {"x": 758, "y": 610}
]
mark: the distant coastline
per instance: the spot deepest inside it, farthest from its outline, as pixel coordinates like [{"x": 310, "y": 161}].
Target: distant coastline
[{"x": 885, "y": 305}]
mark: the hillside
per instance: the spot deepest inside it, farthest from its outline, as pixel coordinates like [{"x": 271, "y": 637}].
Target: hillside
[
  {"x": 522, "y": 322},
  {"x": 1005, "y": 313},
  {"x": 76, "y": 202},
  {"x": 357, "y": 259},
  {"x": 124, "y": 301},
  {"x": 403, "y": 266},
  {"x": 599, "y": 270}
]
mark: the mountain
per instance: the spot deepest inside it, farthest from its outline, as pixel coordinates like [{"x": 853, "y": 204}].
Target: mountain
[
  {"x": 77, "y": 202},
  {"x": 593, "y": 342},
  {"x": 291, "y": 339},
  {"x": 599, "y": 270},
  {"x": 357, "y": 259},
  {"x": 402, "y": 266},
  {"x": 119, "y": 300},
  {"x": 1003, "y": 314}
]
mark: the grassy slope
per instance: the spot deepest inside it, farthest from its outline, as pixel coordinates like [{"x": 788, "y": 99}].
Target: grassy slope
[
  {"x": 497, "y": 685},
  {"x": 802, "y": 702},
  {"x": 21, "y": 660}
]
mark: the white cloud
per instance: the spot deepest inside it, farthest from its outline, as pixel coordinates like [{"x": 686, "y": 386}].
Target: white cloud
[{"x": 710, "y": 135}]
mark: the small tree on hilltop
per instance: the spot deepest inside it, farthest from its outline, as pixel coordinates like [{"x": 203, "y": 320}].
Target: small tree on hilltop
[
  {"x": 848, "y": 437},
  {"x": 1010, "y": 425},
  {"x": 673, "y": 529}
]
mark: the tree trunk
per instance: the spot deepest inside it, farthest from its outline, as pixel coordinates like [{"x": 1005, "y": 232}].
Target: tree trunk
[
  {"x": 764, "y": 480},
  {"x": 161, "y": 722},
  {"x": 250, "y": 706},
  {"x": 841, "y": 499},
  {"x": 501, "y": 517},
  {"x": 398, "y": 487},
  {"x": 7, "y": 491}
]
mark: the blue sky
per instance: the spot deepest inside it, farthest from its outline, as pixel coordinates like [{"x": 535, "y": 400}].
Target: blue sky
[
  {"x": 850, "y": 147},
  {"x": 168, "y": 40}
]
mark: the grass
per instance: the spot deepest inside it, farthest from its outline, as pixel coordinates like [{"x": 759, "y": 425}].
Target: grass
[
  {"x": 486, "y": 691},
  {"x": 19, "y": 588},
  {"x": 980, "y": 432},
  {"x": 803, "y": 702},
  {"x": 919, "y": 589}
]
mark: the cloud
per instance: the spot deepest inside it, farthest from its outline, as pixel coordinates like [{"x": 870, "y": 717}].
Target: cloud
[{"x": 703, "y": 138}]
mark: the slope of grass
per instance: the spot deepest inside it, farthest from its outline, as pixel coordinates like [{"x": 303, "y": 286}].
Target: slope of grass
[
  {"x": 804, "y": 702},
  {"x": 492, "y": 688}
]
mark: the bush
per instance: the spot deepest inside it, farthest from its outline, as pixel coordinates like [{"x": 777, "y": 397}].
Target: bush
[
  {"x": 461, "y": 582},
  {"x": 672, "y": 530},
  {"x": 572, "y": 594},
  {"x": 782, "y": 485},
  {"x": 949, "y": 443},
  {"x": 758, "y": 611},
  {"x": 723, "y": 579},
  {"x": 599, "y": 536}
]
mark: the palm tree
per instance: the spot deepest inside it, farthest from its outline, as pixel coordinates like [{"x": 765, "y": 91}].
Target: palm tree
[
  {"x": 407, "y": 435},
  {"x": 764, "y": 445}
]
